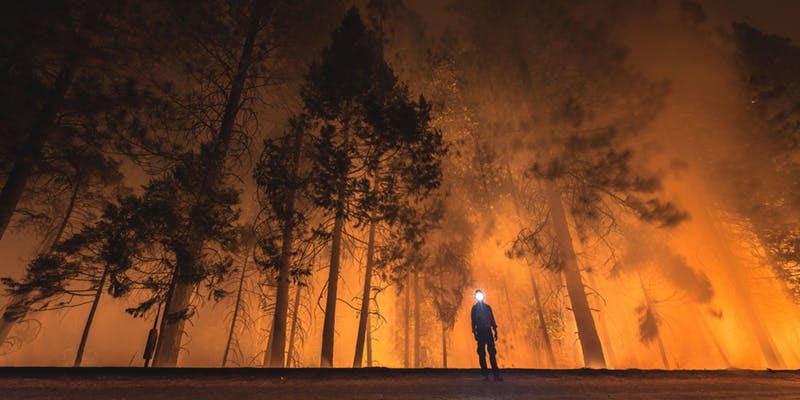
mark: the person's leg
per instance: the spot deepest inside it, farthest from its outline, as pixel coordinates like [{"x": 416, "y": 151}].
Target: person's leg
[
  {"x": 482, "y": 356},
  {"x": 492, "y": 357}
]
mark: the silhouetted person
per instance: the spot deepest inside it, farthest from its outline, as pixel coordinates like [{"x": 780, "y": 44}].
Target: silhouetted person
[{"x": 483, "y": 326}]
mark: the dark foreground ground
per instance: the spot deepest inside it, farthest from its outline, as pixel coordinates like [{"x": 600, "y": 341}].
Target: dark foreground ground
[{"x": 378, "y": 383}]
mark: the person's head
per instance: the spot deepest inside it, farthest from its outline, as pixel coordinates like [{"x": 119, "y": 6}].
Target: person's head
[{"x": 479, "y": 295}]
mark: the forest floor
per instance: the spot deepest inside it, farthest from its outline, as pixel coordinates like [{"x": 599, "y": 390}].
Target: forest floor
[{"x": 381, "y": 383}]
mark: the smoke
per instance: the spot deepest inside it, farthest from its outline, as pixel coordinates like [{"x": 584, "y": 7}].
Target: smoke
[
  {"x": 696, "y": 143},
  {"x": 644, "y": 249}
]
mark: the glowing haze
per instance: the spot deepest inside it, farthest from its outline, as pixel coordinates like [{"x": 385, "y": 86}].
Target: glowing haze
[{"x": 697, "y": 295}]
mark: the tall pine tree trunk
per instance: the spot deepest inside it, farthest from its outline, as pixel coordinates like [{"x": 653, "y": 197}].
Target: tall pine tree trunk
[
  {"x": 365, "y": 299},
  {"x": 551, "y": 358},
  {"x": 603, "y": 330},
  {"x": 407, "y": 312},
  {"x": 17, "y": 307},
  {"x": 278, "y": 344},
  {"x": 236, "y": 308},
  {"x": 369, "y": 340},
  {"x": 587, "y": 332},
  {"x": 329, "y": 325},
  {"x": 444, "y": 345},
  {"x": 417, "y": 333},
  {"x": 293, "y": 332},
  {"x": 85, "y": 336},
  {"x": 177, "y": 310},
  {"x": 188, "y": 255},
  {"x": 31, "y": 153},
  {"x": 326, "y": 359}
]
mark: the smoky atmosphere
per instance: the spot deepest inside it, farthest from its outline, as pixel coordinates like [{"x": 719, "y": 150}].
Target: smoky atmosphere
[{"x": 570, "y": 186}]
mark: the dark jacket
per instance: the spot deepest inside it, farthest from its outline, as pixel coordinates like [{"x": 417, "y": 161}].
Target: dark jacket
[{"x": 482, "y": 317}]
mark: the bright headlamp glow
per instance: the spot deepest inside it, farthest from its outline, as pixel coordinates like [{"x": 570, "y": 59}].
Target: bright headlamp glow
[{"x": 479, "y": 296}]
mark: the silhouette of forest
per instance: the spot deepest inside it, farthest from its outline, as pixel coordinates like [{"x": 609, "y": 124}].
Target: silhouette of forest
[{"x": 310, "y": 182}]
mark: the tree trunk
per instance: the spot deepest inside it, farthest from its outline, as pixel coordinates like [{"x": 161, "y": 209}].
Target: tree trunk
[
  {"x": 169, "y": 343},
  {"x": 17, "y": 307},
  {"x": 603, "y": 329},
  {"x": 551, "y": 358},
  {"x": 236, "y": 307},
  {"x": 326, "y": 360},
  {"x": 417, "y": 347},
  {"x": 369, "y": 340},
  {"x": 444, "y": 345},
  {"x": 293, "y": 332},
  {"x": 365, "y": 299},
  {"x": 31, "y": 153},
  {"x": 407, "y": 336},
  {"x": 269, "y": 341},
  {"x": 278, "y": 344},
  {"x": 98, "y": 293},
  {"x": 587, "y": 332},
  {"x": 329, "y": 325},
  {"x": 176, "y": 310}
]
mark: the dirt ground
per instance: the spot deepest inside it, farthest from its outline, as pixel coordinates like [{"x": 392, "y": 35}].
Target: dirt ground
[{"x": 378, "y": 383}]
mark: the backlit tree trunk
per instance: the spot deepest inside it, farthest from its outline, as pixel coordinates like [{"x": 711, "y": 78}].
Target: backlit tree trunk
[
  {"x": 85, "y": 336},
  {"x": 587, "y": 332},
  {"x": 278, "y": 344},
  {"x": 407, "y": 312},
  {"x": 293, "y": 332},
  {"x": 369, "y": 340},
  {"x": 326, "y": 359},
  {"x": 236, "y": 307},
  {"x": 187, "y": 255},
  {"x": 329, "y": 325},
  {"x": 444, "y": 345},
  {"x": 177, "y": 309},
  {"x": 417, "y": 333},
  {"x": 365, "y": 299}
]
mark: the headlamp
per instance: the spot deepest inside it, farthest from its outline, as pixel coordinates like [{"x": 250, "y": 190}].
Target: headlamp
[{"x": 479, "y": 295}]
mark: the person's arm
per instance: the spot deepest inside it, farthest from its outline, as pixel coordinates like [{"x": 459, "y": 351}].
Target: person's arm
[{"x": 494, "y": 324}]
